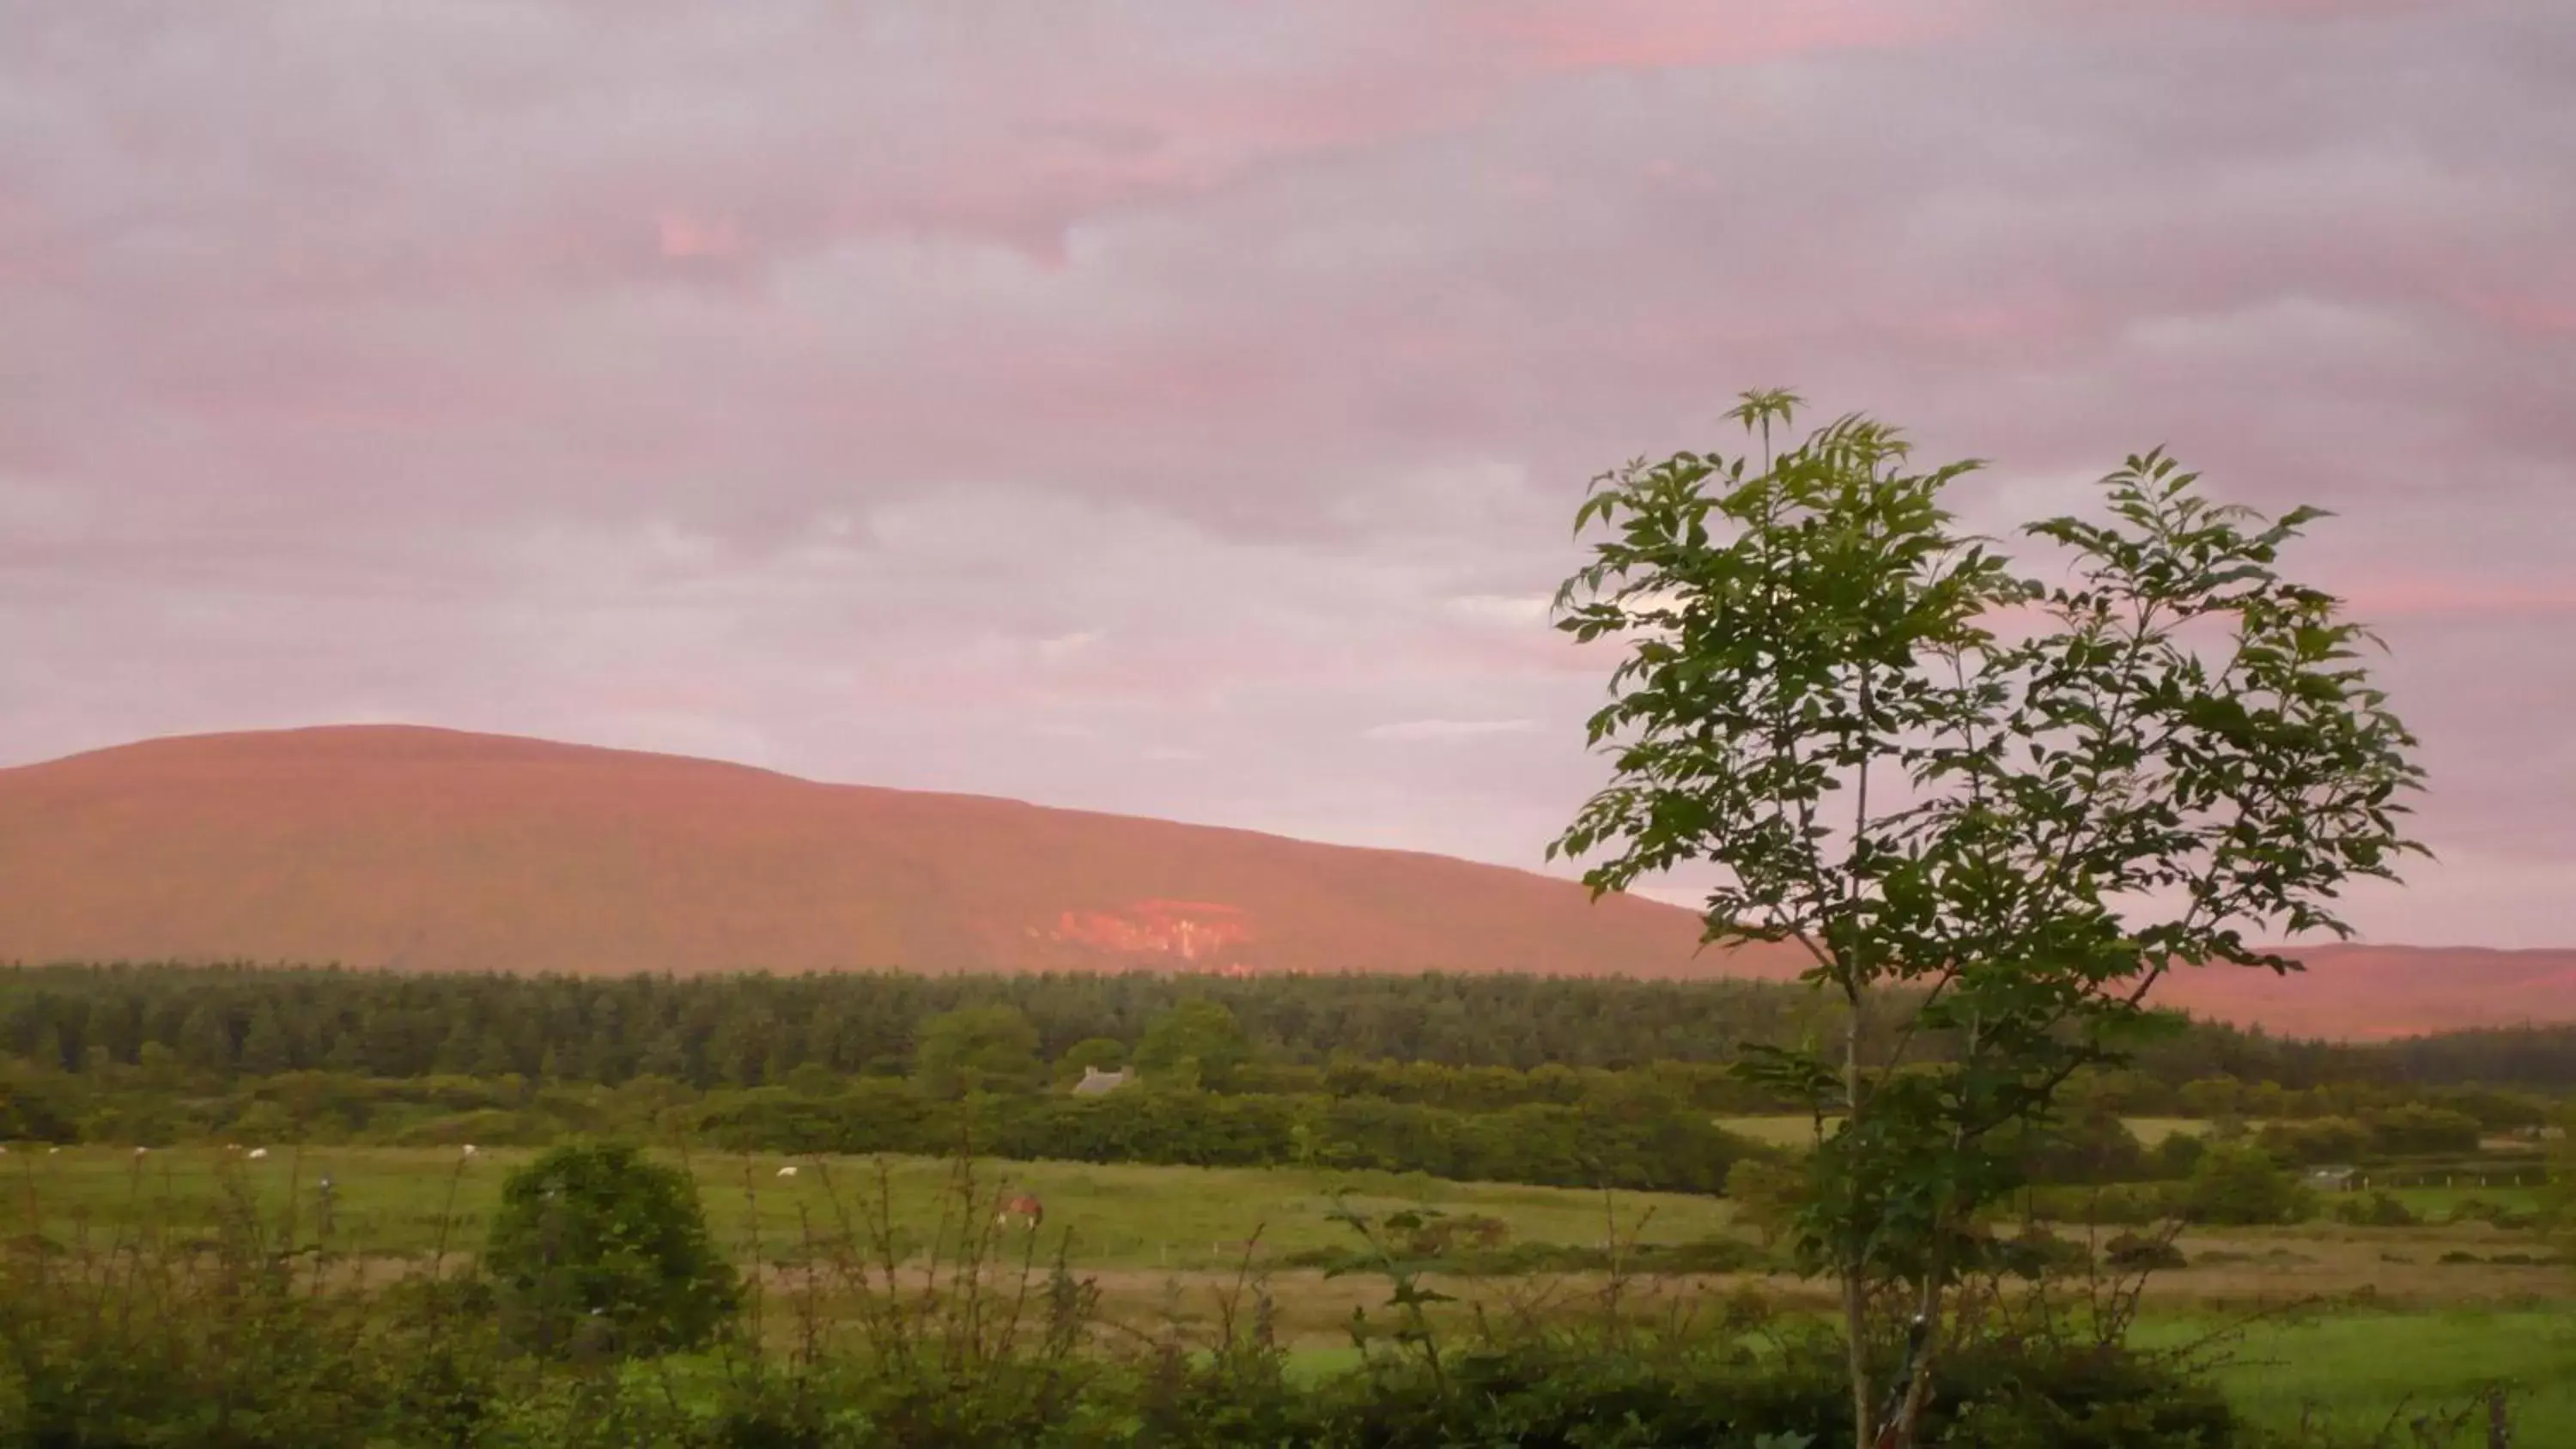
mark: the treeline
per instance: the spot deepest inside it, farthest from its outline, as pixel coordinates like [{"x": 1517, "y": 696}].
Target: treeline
[
  {"x": 2541, "y": 1058},
  {"x": 755, "y": 1030},
  {"x": 747, "y": 1030},
  {"x": 283, "y": 1056},
  {"x": 1627, "y": 1131}
]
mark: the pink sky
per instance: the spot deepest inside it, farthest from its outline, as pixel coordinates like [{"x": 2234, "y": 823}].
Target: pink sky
[{"x": 1173, "y": 409}]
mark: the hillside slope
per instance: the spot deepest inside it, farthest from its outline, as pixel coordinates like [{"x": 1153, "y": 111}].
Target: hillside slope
[{"x": 421, "y": 849}]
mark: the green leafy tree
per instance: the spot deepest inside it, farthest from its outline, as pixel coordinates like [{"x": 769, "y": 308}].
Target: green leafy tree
[
  {"x": 2241, "y": 1186},
  {"x": 206, "y": 1040},
  {"x": 596, "y": 1247},
  {"x": 811, "y": 1079},
  {"x": 1104, "y": 1053},
  {"x": 1197, "y": 1038},
  {"x": 159, "y": 1066},
  {"x": 2325, "y": 1139},
  {"x": 2415, "y": 1128},
  {"x": 978, "y": 1049},
  {"x": 2558, "y": 1190},
  {"x": 36, "y": 1107},
  {"x": 265, "y": 1049},
  {"x": 2177, "y": 1155},
  {"x": 1766, "y": 1193},
  {"x": 1992, "y": 810},
  {"x": 2213, "y": 1097}
]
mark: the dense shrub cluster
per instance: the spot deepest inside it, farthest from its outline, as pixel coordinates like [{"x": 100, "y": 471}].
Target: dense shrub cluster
[
  {"x": 1619, "y": 1136},
  {"x": 2409, "y": 1129},
  {"x": 595, "y": 1240},
  {"x": 1642, "y": 1144},
  {"x": 2230, "y": 1185}
]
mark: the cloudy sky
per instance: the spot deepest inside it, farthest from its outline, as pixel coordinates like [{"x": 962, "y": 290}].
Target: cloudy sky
[{"x": 1178, "y": 408}]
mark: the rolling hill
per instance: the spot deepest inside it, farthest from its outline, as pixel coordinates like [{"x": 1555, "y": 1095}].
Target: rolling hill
[{"x": 407, "y": 848}]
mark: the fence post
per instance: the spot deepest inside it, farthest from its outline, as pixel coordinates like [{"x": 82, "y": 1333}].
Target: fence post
[{"x": 2499, "y": 1423}]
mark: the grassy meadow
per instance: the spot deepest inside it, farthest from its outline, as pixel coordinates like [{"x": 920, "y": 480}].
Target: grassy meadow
[
  {"x": 1786, "y": 1131},
  {"x": 405, "y": 1202},
  {"x": 2360, "y": 1320},
  {"x": 2355, "y": 1369},
  {"x": 2366, "y": 1368}
]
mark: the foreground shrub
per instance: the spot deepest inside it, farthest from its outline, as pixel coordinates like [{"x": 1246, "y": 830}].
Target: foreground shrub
[
  {"x": 2038, "y": 1252},
  {"x": 1703, "y": 1255},
  {"x": 1577, "y": 1394},
  {"x": 597, "y": 1249},
  {"x": 2142, "y": 1253},
  {"x": 2494, "y": 1214},
  {"x": 248, "y": 1341},
  {"x": 2125, "y": 1205},
  {"x": 217, "y": 1341},
  {"x": 1649, "y": 1145}
]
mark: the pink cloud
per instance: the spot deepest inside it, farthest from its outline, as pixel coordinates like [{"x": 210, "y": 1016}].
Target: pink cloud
[
  {"x": 2529, "y": 314},
  {"x": 1667, "y": 34},
  {"x": 578, "y": 353},
  {"x": 2396, "y": 595},
  {"x": 684, "y": 235}
]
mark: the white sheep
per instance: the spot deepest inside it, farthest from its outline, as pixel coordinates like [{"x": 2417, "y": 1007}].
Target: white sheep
[
  {"x": 257, "y": 1153},
  {"x": 787, "y": 1171}
]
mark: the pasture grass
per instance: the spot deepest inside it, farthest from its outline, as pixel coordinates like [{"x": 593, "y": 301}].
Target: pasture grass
[
  {"x": 1775, "y": 1130},
  {"x": 2358, "y": 1369},
  {"x": 1152, "y": 1232},
  {"x": 2436, "y": 1203},
  {"x": 400, "y": 1202},
  {"x": 1792, "y": 1130},
  {"x": 2355, "y": 1370}
]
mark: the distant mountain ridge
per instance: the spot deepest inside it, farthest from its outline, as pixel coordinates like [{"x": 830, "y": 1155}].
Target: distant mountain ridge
[{"x": 410, "y": 848}]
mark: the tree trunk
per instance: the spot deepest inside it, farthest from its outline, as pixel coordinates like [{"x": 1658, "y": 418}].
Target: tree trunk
[
  {"x": 1855, "y": 1315},
  {"x": 1855, "y": 1284}
]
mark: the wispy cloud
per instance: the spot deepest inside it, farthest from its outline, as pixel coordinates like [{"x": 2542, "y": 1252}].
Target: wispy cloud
[
  {"x": 1061, "y": 647},
  {"x": 1510, "y": 610},
  {"x": 983, "y": 403},
  {"x": 1448, "y": 729}
]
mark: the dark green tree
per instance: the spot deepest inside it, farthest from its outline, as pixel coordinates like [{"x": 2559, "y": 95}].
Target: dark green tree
[
  {"x": 265, "y": 1049},
  {"x": 2558, "y": 1190},
  {"x": 206, "y": 1039},
  {"x": 1992, "y": 810},
  {"x": 36, "y": 1107},
  {"x": 1198, "y": 1040},
  {"x": 1766, "y": 1194},
  {"x": 978, "y": 1049},
  {"x": 2242, "y": 1186},
  {"x": 596, "y": 1246},
  {"x": 811, "y": 1079},
  {"x": 1107, "y": 1053}
]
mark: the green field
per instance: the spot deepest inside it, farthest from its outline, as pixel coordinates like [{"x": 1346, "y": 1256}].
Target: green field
[
  {"x": 2356, "y": 1369},
  {"x": 1155, "y": 1232},
  {"x": 2436, "y": 1203},
  {"x": 1776, "y": 1131},
  {"x": 2361, "y": 1368},
  {"x": 406, "y": 1201},
  {"x": 1792, "y": 1131}
]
